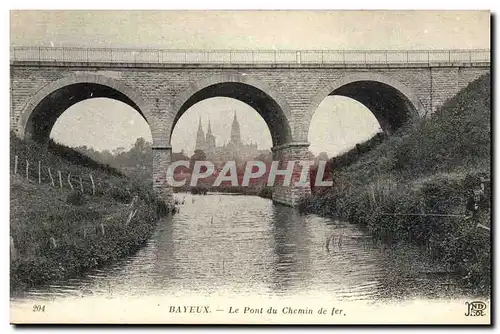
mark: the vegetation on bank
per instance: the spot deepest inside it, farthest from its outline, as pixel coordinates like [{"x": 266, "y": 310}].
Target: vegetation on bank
[
  {"x": 401, "y": 188},
  {"x": 58, "y": 233}
]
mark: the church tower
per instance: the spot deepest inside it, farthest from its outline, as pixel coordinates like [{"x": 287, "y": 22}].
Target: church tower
[
  {"x": 210, "y": 140},
  {"x": 235, "y": 134},
  {"x": 200, "y": 138}
]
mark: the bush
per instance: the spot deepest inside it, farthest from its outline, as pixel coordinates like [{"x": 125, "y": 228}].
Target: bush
[
  {"x": 266, "y": 192},
  {"x": 75, "y": 198},
  {"x": 120, "y": 194},
  {"x": 199, "y": 190}
]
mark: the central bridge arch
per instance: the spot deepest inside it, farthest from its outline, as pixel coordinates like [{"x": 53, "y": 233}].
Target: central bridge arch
[{"x": 272, "y": 107}]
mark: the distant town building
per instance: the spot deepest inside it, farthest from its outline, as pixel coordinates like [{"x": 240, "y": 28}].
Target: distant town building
[{"x": 235, "y": 149}]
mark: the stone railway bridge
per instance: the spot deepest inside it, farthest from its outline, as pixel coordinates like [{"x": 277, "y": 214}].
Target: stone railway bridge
[{"x": 284, "y": 87}]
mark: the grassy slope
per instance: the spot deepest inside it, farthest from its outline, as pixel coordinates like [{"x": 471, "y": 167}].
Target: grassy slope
[
  {"x": 432, "y": 168},
  {"x": 39, "y": 212}
]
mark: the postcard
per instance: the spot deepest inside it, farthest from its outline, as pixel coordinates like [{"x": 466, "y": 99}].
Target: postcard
[{"x": 250, "y": 167}]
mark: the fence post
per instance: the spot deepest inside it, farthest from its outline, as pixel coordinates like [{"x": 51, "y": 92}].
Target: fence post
[
  {"x": 15, "y": 164},
  {"x": 60, "y": 178},
  {"x": 93, "y": 184},
  {"x": 13, "y": 250},
  {"x": 27, "y": 169},
  {"x": 81, "y": 184},
  {"x": 130, "y": 216},
  {"x": 69, "y": 181},
  {"x": 53, "y": 242},
  {"x": 51, "y": 178},
  {"x": 39, "y": 172}
]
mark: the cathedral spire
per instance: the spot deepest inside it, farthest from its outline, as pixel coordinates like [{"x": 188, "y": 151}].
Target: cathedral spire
[
  {"x": 199, "y": 124},
  {"x": 235, "y": 132},
  {"x": 200, "y": 137},
  {"x": 209, "y": 131}
]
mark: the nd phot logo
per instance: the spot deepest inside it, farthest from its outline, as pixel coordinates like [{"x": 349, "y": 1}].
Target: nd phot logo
[{"x": 475, "y": 309}]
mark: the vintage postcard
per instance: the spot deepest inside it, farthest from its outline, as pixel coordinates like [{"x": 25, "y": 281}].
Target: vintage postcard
[{"x": 250, "y": 167}]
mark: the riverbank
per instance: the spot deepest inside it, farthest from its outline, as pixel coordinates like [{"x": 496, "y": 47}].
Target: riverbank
[
  {"x": 415, "y": 185},
  {"x": 59, "y": 233}
]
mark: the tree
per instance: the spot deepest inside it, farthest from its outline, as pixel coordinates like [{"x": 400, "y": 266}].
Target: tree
[
  {"x": 178, "y": 156},
  {"x": 198, "y": 155},
  {"x": 118, "y": 150}
]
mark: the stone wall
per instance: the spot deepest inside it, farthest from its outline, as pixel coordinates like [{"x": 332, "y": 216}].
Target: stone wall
[
  {"x": 448, "y": 81},
  {"x": 291, "y": 194},
  {"x": 162, "y": 156}
]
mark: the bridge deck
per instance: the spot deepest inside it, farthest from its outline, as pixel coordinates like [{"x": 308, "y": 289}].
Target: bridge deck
[{"x": 62, "y": 56}]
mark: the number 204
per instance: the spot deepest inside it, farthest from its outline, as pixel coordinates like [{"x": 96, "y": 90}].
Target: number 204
[{"x": 38, "y": 308}]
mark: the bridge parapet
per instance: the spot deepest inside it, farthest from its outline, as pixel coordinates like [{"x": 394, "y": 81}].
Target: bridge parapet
[{"x": 28, "y": 54}]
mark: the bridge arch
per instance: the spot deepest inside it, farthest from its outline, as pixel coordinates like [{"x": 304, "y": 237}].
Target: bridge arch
[
  {"x": 44, "y": 108},
  {"x": 391, "y": 102},
  {"x": 270, "y": 105}
]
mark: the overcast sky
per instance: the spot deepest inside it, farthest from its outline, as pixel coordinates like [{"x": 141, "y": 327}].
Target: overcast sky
[
  {"x": 338, "y": 124},
  {"x": 253, "y": 29}
]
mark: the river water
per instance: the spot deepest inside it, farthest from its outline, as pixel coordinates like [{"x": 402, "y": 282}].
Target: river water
[{"x": 235, "y": 245}]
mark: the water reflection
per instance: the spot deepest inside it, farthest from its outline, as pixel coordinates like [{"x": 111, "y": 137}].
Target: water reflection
[
  {"x": 233, "y": 245},
  {"x": 290, "y": 240}
]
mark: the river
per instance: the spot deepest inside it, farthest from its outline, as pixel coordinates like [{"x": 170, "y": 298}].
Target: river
[{"x": 235, "y": 245}]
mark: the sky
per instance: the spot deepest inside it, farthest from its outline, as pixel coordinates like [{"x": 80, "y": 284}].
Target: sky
[
  {"x": 338, "y": 123},
  {"x": 220, "y": 111},
  {"x": 253, "y": 29}
]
